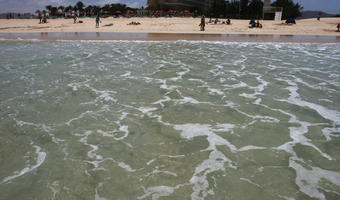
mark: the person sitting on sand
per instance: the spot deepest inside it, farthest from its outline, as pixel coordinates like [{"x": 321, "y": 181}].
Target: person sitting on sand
[
  {"x": 338, "y": 26},
  {"x": 228, "y": 21},
  {"x": 257, "y": 24},
  {"x": 44, "y": 19},
  {"x": 252, "y": 23},
  {"x": 97, "y": 21},
  {"x": 202, "y": 24},
  {"x": 290, "y": 21},
  {"x": 133, "y": 23}
]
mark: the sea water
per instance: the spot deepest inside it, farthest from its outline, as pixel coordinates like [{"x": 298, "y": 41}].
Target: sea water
[{"x": 169, "y": 120}]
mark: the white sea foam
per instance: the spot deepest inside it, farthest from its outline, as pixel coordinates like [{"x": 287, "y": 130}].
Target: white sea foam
[
  {"x": 150, "y": 161},
  {"x": 126, "y": 167},
  {"x": 294, "y": 98},
  {"x": 96, "y": 196},
  {"x": 146, "y": 110},
  {"x": 297, "y": 134},
  {"x": 54, "y": 190},
  {"x": 266, "y": 119},
  {"x": 250, "y": 147},
  {"x": 39, "y": 160},
  {"x": 216, "y": 160},
  {"x": 308, "y": 179},
  {"x": 157, "y": 192},
  {"x": 258, "y": 89},
  {"x": 157, "y": 171},
  {"x": 251, "y": 182},
  {"x": 331, "y": 132},
  {"x": 68, "y": 123}
]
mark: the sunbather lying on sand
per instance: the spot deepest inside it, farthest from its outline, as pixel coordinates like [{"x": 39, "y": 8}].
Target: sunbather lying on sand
[{"x": 134, "y": 23}]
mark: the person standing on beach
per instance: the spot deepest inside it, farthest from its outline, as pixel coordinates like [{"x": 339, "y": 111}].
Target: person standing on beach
[
  {"x": 202, "y": 23},
  {"x": 74, "y": 19},
  {"x": 40, "y": 17},
  {"x": 74, "y": 16},
  {"x": 97, "y": 21}
]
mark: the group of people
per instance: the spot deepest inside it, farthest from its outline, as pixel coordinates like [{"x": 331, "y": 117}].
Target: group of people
[
  {"x": 134, "y": 23},
  {"x": 290, "y": 21},
  {"x": 202, "y": 24},
  {"x": 216, "y": 21},
  {"x": 43, "y": 17},
  {"x": 10, "y": 16},
  {"x": 253, "y": 24}
]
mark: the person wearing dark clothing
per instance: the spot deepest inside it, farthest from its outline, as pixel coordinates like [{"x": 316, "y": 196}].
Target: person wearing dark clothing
[
  {"x": 252, "y": 23},
  {"x": 97, "y": 21},
  {"x": 74, "y": 18},
  {"x": 202, "y": 23},
  {"x": 258, "y": 24},
  {"x": 290, "y": 21},
  {"x": 40, "y": 17}
]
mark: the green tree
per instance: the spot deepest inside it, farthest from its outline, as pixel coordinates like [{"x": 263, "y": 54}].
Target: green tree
[
  {"x": 54, "y": 11},
  {"x": 48, "y": 7},
  {"x": 255, "y": 9},
  {"x": 290, "y": 9},
  {"x": 244, "y": 8},
  {"x": 153, "y": 5},
  {"x": 96, "y": 10},
  {"x": 68, "y": 8},
  {"x": 89, "y": 11},
  {"x": 232, "y": 9},
  {"x": 80, "y": 6}
]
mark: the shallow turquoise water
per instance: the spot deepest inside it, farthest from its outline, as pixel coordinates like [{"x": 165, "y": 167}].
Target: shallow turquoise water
[{"x": 169, "y": 120}]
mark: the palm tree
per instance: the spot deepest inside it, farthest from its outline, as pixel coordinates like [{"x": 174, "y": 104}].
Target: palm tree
[
  {"x": 96, "y": 10},
  {"x": 48, "y": 7},
  {"x": 153, "y": 4},
  {"x": 79, "y": 5},
  {"x": 54, "y": 11},
  {"x": 68, "y": 8},
  {"x": 255, "y": 9},
  {"x": 88, "y": 10}
]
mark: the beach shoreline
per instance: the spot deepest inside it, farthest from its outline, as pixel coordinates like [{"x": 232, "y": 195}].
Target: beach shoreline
[
  {"x": 133, "y": 36},
  {"x": 175, "y": 25}
]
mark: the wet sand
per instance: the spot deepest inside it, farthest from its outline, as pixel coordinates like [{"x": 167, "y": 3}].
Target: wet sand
[{"x": 54, "y": 36}]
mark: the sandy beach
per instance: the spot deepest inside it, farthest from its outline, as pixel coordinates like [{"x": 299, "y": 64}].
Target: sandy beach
[{"x": 326, "y": 26}]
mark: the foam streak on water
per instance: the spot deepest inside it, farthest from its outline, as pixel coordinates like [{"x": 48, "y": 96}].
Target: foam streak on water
[{"x": 169, "y": 120}]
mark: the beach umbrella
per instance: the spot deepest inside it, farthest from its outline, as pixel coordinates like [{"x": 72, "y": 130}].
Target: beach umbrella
[
  {"x": 106, "y": 12},
  {"x": 185, "y": 11},
  {"x": 118, "y": 12}
]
